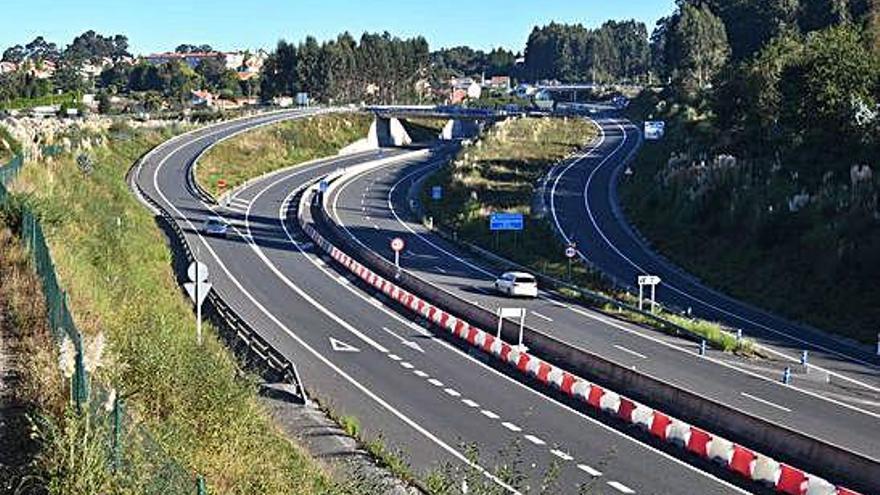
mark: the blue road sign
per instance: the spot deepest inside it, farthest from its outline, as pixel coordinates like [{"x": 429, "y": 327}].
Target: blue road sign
[
  {"x": 437, "y": 192},
  {"x": 506, "y": 221}
]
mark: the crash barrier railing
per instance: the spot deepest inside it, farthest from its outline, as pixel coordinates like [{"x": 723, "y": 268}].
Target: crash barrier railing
[
  {"x": 274, "y": 363},
  {"x": 101, "y": 412},
  {"x": 773, "y": 441}
]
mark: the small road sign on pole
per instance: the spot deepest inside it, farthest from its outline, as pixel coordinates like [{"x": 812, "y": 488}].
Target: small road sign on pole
[
  {"x": 397, "y": 245},
  {"x": 570, "y": 253},
  {"x": 653, "y": 282},
  {"x": 198, "y": 288}
]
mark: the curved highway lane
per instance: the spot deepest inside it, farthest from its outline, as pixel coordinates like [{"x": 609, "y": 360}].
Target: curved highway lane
[
  {"x": 419, "y": 393},
  {"x": 373, "y": 208},
  {"x": 585, "y": 208}
]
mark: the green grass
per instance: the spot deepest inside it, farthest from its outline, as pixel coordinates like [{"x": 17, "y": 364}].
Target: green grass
[
  {"x": 24, "y": 103},
  {"x": 500, "y": 174},
  {"x": 116, "y": 267},
  {"x": 274, "y": 147}
]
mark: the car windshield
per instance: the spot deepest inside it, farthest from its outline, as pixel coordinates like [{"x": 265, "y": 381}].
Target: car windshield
[
  {"x": 525, "y": 280},
  {"x": 213, "y": 222}
]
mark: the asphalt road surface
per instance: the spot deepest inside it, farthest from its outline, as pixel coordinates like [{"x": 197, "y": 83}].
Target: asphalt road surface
[
  {"x": 420, "y": 394},
  {"x": 374, "y": 207}
]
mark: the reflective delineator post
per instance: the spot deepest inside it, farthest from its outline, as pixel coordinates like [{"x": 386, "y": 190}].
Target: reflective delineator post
[
  {"x": 703, "y": 347},
  {"x": 786, "y": 375}
]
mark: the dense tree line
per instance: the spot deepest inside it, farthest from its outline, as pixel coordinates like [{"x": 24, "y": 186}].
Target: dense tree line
[
  {"x": 378, "y": 68},
  {"x": 465, "y": 61},
  {"x": 614, "y": 52}
]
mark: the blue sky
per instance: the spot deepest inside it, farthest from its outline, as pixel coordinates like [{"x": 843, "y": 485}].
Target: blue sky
[{"x": 158, "y": 25}]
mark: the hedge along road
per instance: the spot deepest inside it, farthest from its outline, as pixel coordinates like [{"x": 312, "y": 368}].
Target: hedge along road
[
  {"x": 372, "y": 208},
  {"x": 426, "y": 398},
  {"x": 585, "y": 208}
]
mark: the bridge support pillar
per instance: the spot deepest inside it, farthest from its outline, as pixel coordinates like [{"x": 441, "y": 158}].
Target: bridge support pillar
[
  {"x": 388, "y": 132},
  {"x": 460, "y": 129}
]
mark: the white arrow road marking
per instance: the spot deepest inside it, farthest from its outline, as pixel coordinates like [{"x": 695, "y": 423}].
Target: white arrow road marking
[
  {"x": 340, "y": 346},
  {"x": 412, "y": 345}
]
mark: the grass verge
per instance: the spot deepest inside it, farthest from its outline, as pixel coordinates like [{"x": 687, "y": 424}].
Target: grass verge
[
  {"x": 501, "y": 173},
  {"x": 270, "y": 148},
  {"x": 195, "y": 403}
]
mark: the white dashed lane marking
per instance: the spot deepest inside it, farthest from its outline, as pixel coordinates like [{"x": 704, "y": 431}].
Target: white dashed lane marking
[
  {"x": 620, "y": 487},
  {"x": 435, "y": 382},
  {"x": 543, "y": 317},
  {"x": 512, "y": 427},
  {"x": 470, "y": 403},
  {"x": 420, "y": 374},
  {"x": 489, "y": 414},
  {"x": 565, "y": 456},
  {"x": 407, "y": 365},
  {"x": 630, "y": 351},
  {"x": 535, "y": 440},
  {"x": 452, "y": 392},
  {"x": 589, "y": 470}
]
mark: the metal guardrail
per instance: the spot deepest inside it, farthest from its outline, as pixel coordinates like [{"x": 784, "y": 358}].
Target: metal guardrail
[{"x": 274, "y": 360}]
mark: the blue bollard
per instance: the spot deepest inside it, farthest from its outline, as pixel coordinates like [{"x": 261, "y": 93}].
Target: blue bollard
[
  {"x": 702, "y": 348},
  {"x": 786, "y": 376}
]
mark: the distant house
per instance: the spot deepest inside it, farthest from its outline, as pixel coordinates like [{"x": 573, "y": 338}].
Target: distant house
[
  {"x": 7, "y": 67},
  {"x": 464, "y": 88},
  {"x": 191, "y": 59},
  {"x": 201, "y": 98},
  {"x": 498, "y": 82}
]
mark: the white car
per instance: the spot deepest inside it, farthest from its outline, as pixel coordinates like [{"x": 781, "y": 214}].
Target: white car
[
  {"x": 215, "y": 226},
  {"x": 517, "y": 284}
]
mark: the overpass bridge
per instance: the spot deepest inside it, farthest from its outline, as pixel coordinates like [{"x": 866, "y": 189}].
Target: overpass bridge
[{"x": 462, "y": 123}]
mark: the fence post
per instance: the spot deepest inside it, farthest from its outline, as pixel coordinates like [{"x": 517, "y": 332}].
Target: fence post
[
  {"x": 117, "y": 431},
  {"x": 201, "y": 489}
]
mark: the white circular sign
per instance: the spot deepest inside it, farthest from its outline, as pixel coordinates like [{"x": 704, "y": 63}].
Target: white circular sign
[
  {"x": 197, "y": 272},
  {"x": 397, "y": 244},
  {"x": 570, "y": 252}
]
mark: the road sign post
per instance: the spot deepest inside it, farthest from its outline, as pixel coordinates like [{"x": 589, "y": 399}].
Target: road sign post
[
  {"x": 570, "y": 253},
  {"x": 653, "y": 282},
  {"x": 198, "y": 288},
  {"x": 513, "y": 313},
  {"x": 397, "y": 245}
]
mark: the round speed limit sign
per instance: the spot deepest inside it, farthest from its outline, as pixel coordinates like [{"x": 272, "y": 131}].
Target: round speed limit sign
[
  {"x": 397, "y": 244},
  {"x": 570, "y": 252}
]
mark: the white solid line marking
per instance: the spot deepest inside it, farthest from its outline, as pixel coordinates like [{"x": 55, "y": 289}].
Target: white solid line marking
[
  {"x": 489, "y": 414},
  {"x": 452, "y": 392},
  {"x": 543, "y": 317},
  {"x": 342, "y": 280},
  {"x": 441, "y": 270},
  {"x": 535, "y": 440},
  {"x": 620, "y": 487},
  {"x": 589, "y": 470},
  {"x": 565, "y": 456},
  {"x": 512, "y": 427},
  {"x": 470, "y": 403},
  {"x": 630, "y": 351},
  {"x": 435, "y": 382},
  {"x": 420, "y": 374},
  {"x": 764, "y": 401},
  {"x": 407, "y": 365},
  {"x": 395, "y": 357}
]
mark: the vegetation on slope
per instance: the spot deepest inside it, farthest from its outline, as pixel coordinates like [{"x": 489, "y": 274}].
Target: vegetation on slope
[
  {"x": 277, "y": 146},
  {"x": 196, "y": 405},
  {"x": 766, "y": 186}
]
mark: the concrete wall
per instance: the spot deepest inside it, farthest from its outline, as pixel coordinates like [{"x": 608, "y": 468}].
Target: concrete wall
[{"x": 388, "y": 133}]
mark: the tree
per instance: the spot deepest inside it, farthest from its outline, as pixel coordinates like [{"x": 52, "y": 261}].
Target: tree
[
  {"x": 187, "y": 48},
  {"x": 696, "y": 47},
  {"x": 104, "y": 104},
  {"x": 91, "y": 46}
]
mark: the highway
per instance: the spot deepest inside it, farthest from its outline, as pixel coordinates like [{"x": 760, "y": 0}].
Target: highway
[
  {"x": 374, "y": 207},
  {"x": 419, "y": 393},
  {"x": 582, "y": 197}
]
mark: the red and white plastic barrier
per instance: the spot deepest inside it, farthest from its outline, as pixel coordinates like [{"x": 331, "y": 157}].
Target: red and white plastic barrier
[{"x": 739, "y": 459}]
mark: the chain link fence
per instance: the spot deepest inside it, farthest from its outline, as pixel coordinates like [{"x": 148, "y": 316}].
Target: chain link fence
[{"x": 135, "y": 461}]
